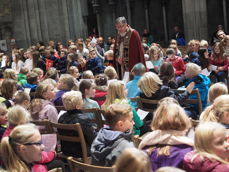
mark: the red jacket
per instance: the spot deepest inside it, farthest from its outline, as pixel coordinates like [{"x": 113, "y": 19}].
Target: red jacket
[
  {"x": 178, "y": 64},
  {"x": 202, "y": 164},
  {"x": 220, "y": 63},
  {"x": 99, "y": 93}
]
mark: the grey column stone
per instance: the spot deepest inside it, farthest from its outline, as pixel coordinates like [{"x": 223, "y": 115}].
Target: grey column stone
[{"x": 195, "y": 19}]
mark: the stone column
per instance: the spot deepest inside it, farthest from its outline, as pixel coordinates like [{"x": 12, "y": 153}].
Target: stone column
[
  {"x": 164, "y": 4},
  {"x": 128, "y": 12},
  {"x": 195, "y": 19},
  {"x": 96, "y": 7},
  {"x": 146, "y": 7},
  {"x": 225, "y": 8}
]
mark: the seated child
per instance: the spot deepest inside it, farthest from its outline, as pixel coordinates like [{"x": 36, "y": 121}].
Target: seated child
[
  {"x": 3, "y": 119},
  {"x": 100, "y": 88},
  {"x": 65, "y": 84},
  {"x": 17, "y": 115},
  {"x": 215, "y": 91},
  {"x": 167, "y": 144},
  {"x": 23, "y": 99},
  {"x": 87, "y": 74},
  {"x": 109, "y": 57},
  {"x": 114, "y": 138},
  {"x": 111, "y": 73},
  {"x": 139, "y": 161},
  {"x": 52, "y": 73},
  {"x": 82, "y": 64},
  {"x": 211, "y": 149},
  {"x": 32, "y": 81},
  {"x": 21, "y": 77},
  {"x": 73, "y": 102},
  {"x": 40, "y": 73},
  {"x": 73, "y": 70}
]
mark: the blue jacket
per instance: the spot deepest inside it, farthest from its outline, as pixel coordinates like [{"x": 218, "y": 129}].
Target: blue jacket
[
  {"x": 95, "y": 65},
  {"x": 33, "y": 87},
  {"x": 61, "y": 64},
  {"x": 202, "y": 83}
]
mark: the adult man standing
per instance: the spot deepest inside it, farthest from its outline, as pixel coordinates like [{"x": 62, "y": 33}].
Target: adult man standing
[{"x": 128, "y": 49}]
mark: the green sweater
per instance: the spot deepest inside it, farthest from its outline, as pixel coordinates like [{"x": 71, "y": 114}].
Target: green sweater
[{"x": 21, "y": 79}]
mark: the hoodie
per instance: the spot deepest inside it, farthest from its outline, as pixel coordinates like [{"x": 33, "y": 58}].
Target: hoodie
[
  {"x": 202, "y": 83},
  {"x": 108, "y": 145},
  {"x": 21, "y": 79},
  {"x": 196, "y": 163}
]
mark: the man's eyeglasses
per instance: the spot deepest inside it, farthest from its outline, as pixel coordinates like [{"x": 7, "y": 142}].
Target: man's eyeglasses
[{"x": 34, "y": 143}]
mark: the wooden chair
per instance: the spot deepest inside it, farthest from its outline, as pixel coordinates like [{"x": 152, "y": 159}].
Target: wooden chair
[
  {"x": 98, "y": 116},
  {"x": 45, "y": 126},
  {"x": 77, "y": 166},
  {"x": 140, "y": 101},
  {"x": 78, "y": 138},
  {"x": 55, "y": 170}
]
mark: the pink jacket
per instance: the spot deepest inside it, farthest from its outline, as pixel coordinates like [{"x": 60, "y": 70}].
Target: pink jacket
[
  {"x": 202, "y": 164},
  {"x": 46, "y": 158}
]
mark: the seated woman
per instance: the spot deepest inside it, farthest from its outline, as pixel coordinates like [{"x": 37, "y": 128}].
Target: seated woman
[
  {"x": 117, "y": 94},
  {"x": 23, "y": 151},
  {"x": 152, "y": 88},
  {"x": 167, "y": 144},
  {"x": 211, "y": 149}
]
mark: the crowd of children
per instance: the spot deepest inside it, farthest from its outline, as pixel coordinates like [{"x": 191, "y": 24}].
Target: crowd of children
[{"x": 34, "y": 83}]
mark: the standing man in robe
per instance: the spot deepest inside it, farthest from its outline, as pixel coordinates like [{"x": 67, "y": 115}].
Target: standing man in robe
[{"x": 128, "y": 49}]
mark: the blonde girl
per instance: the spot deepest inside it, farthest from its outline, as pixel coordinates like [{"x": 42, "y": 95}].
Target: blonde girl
[
  {"x": 17, "y": 115},
  {"x": 21, "y": 148},
  {"x": 218, "y": 111},
  {"x": 211, "y": 149},
  {"x": 216, "y": 90},
  {"x": 133, "y": 160},
  {"x": 167, "y": 144},
  {"x": 117, "y": 94},
  {"x": 225, "y": 45},
  {"x": 154, "y": 55}
]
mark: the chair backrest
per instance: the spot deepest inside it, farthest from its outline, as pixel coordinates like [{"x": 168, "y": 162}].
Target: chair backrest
[
  {"x": 78, "y": 138},
  {"x": 45, "y": 126},
  {"x": 56, "y": 170},
  {"x": 98, "y": 116},
  {"x": 77, "y": 166},
  {"x": 140, "y": 101}
]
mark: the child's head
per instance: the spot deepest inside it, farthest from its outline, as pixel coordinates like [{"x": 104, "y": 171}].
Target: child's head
[
  {"x": 204, "y": 44},
  {"x": 173, "y": 42},
  {"x": 3, "y": 114},
  {"x": 211, "y": 141},
  {"x": 82, "y": 61},
  {"x": 138, "y": 70},
  {"x": 18, "y": 115},
  {"x": 32, "y": 78},
  {"x": 10, "y": 74},
  {"x": 203, "y": 53},
  {"x": 71, "y": 57},
  {"x": 109, "y": 55},
  {"x": 73, "y": 70},
  {"x": 39, "y": 72},
  {"x": 8, "y": 88},
  {"x": 45, "y": 91},
  {"x": 66, "y": 82},
  {"x": 52, "y": 73},
  {"x": 139, "y": 161},
  {"x": 170, "y": 52},
  {"x": 87, "y": 89},
  {"x": 24, "y": 70},
  {"x": 92, "y": 53},
  {"x": 192, "y": 70},
  {"x": 87, "y": 75},
  {"x": 225, "y": 41},
  {"x": 170, "y": 116},
  {"x": 22, "y": 98},
  {"x": 119, "y": 117},
  {"x": 111, "y": 73},
  {"x": 72, "y": 100},
  {"x": 218, "y": 111},
  {"x": 101, "y": 80},
  {"x": 167, "y": 69},
  {"x": 193, "y": 45},
  {"x": 154, "y": 53},
  {"x": 50, "y": 81},
  {"x": 216, "y": 90},
  {"x": 149, "y": 83}
]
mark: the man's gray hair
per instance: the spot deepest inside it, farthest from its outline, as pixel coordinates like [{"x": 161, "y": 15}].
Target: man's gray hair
[{"x": 121, "y": 20}]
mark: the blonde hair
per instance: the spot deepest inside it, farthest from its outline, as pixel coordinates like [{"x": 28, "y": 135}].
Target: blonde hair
[
  {"x": 18, "y": 115},
  {"x": 154, "y": 50},
  {"x": 38, "y": 71},
  {"x": 203, "y": 43},
  {"x": 21, "y": 96},
  {"x": 87, "y": 74},
  {"x": 115, "y": 91},
  {"x": 109, "y": 53},
  {"x": 9, "y": 74},
  {"x": 203, "y": 140},
  {"x": 216, "y": 111},
  {"x": 216, "y": 90},
  {"x": 194, "y": 42},
  {"x": 110, "y": 72},
  {"x": 20, "y": 135},
  {"x": 50, "y": 81},
  {"x": 69, "y": 81},
  {"x": 72, "y": 99},
  {"x": 193, "y": 69},
  {"x": 170, "y": 116},
  {"x": 41, "y": 89},
  {"x": 139, "y": 161},
  {"x": 149, "y": 83}
]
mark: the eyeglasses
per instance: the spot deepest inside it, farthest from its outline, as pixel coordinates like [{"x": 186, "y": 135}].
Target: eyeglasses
[{"x": 34, "y": 143}]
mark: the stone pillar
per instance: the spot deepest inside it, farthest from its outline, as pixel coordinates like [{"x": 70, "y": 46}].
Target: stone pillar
[
  {"x": 128, "y": 12},
  {"x": 146, "y": 7},
  {"x": 225, "y": 8},
  {"x": 195, "y": 19},
  {"x": 96, "y": 7},
  {"x": 164, "y": 4}
]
